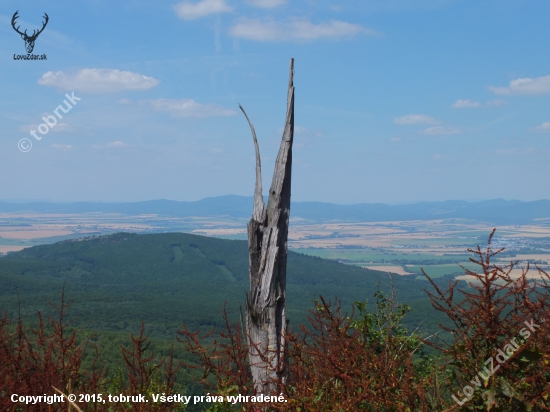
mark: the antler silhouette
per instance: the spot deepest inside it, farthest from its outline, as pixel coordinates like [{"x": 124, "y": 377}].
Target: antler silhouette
[
  {"x": 15, "y": 16},
  {"x": 29, "y": 40},
  {"x": 46, "y": 18}
]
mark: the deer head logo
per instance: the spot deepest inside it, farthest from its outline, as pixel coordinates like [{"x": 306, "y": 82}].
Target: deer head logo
[{"x": 29, "y": 40}]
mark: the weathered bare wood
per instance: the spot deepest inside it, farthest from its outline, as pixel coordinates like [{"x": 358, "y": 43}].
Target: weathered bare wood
[
  {"x": 267, "y": 249},
  {"x": 259, "y": 208}
]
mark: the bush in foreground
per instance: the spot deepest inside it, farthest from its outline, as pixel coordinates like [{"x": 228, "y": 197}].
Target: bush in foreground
[{"x": 495, "y": 356}]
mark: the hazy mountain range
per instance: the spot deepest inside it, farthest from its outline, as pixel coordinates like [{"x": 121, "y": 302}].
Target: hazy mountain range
[{"x": 494, "y": 211}]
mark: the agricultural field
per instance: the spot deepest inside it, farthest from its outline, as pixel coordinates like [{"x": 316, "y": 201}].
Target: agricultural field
[
  {"x": 400, "y": 247},
  {"x": 437, "y": 246},
  {"x": 18, "y": 231}
]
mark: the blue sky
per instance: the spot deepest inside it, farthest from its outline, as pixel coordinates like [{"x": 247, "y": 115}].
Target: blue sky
[{"x": 396, "y": 100}]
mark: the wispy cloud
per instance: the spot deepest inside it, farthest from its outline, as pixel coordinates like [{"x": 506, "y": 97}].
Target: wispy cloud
[
  {"x": 543, "y": 128},
  {"x": 466, "y": 103},
  {"x": 415, "y": 119},
  {"x": 63, "y": 147},
  {"x": 62, "y": 128},
  {"x": 187, "y": 10},
  {"x": 265, "y": 4},
  {"x": 187, "y": 108},
  {"x": 26, "y": 128},
  {"x": 98, "y": 81},
  {"x": 440, "y": 130},
  {"x": 496, "y": 103},
  {"x": 538, "y": 85},
  {"x": 116, "y": 144},
  {"x": 295, "y": 29},
  {"x": 58, "y": 128},
  {"x": 515, "y": 152},
  {"x": 306, "y": 132}
]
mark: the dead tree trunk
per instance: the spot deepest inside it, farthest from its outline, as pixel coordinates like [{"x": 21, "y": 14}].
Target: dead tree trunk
[{"x": 267, "y": 249}]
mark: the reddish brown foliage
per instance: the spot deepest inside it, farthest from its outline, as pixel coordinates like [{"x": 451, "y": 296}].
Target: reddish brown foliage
[
  {"x": 32, "y": 363},
  {"x": 226, "y": 357},
  {"x": 485, "y": 318},
  {"x": 144, "y": 376},
  {"x": 339, "y": 365},
  {"x": 345, "y": 365}
]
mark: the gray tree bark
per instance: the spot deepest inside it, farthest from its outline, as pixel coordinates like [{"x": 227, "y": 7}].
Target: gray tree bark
[{"x": 267, "y": 249}]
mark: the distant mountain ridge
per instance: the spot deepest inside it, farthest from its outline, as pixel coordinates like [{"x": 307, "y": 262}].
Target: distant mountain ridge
[{"x": 493, "y": 211}]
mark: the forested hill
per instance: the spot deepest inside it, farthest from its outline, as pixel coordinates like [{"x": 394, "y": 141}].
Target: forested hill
[
  {"x": 497, "y": 211},
  {"x": 165, "y": 279}
]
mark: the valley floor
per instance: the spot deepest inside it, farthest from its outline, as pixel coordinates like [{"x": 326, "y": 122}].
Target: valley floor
[{"x": 401, "y": 247}]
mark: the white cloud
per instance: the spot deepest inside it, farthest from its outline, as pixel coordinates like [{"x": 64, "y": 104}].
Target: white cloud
[
  {"x": 467, "y": 103},
  {"x": 440, "y": 130},
  {"x": 265, "y": 4},
  {"x": 26, "y": 128},
  {"x": 415, "y": 119},
  {"x": 543, "y": 128},
  {"x": 58, "y": 128},
  {"x": 187, "y": 108},
  {"x": 61, "y": 128},
  {"x": 459, "y": 104},
  {"x": 538, "y": 85},
  {"x": 295, "y": 30},
  {"x": 98, "y": 81},
  {"x": 304, "y": 131},
  {"x": 191, "y": 11},
  {"x": 117, "y": 143},
  {"x": 123, "y": 101},
  {"x": 515, "y": 152},
  {"x": 64, "y": 147},
  {"x": 496, "y": 103}
]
